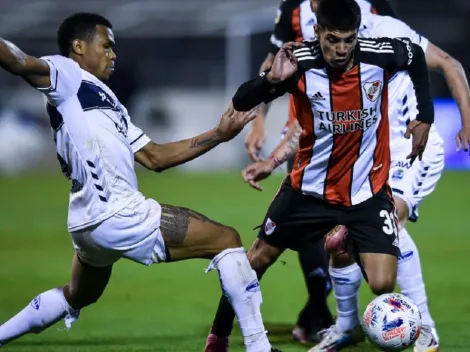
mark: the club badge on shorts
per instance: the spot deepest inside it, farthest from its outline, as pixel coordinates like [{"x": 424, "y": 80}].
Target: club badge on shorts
[{"x": 269, "y": 227}]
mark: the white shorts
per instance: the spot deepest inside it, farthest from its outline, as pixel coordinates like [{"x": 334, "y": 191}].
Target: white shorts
[
  {"x": 132, "y": 233},
  {"x": 413, "y": 183}
]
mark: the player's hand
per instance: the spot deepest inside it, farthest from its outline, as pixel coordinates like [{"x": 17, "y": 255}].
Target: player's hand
[
  {"x": 258, "y": 171},
  {"x": 285, "y": 63},
  {"x": 232, "y": 122},
  {"x": 420, "y": 132},
  {"x": 463, "y": 139},
  {"x": 255, "y": 139}
]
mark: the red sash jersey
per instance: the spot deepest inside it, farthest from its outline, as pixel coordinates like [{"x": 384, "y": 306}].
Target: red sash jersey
[
  {"x": 344, "y": 151},
  {"x": 295, "y": 20}
]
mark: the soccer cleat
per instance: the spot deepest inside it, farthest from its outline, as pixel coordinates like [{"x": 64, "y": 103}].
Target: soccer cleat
[
  {"x": 216, "y": 343},
  {"x": 335, "y": 240},
  {"x": 428, "y": 341},
  {"x": 332, "y": 340}
]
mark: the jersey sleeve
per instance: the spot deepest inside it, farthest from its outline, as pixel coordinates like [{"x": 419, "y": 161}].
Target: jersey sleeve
[
  {"x": 283, "y": 28},
  {"x": 65, "y": 76},
  {"x": 260, "y": 90},
  {"x": 386, "y": 26},
  {"x": 410, "y": 57},
  {"x": 136, "y": 138}
]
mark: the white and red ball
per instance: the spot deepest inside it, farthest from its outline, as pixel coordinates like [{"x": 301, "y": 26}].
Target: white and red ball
[{"x": 392, "y": 322}]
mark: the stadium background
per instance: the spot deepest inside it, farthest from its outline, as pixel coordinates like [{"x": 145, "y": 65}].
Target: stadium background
[{"x": 178, "y": 64}]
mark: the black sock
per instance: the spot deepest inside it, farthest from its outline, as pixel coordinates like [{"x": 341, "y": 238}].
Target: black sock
[{"x": 314, "y": 262}]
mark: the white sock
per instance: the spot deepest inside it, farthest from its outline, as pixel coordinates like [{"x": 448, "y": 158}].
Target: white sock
[
  {"x": 346, "y": 284},
  {"x": 43, "y": 311},
  {"x": 241, "y": 287},
  {"x": 410, "y": 277}
]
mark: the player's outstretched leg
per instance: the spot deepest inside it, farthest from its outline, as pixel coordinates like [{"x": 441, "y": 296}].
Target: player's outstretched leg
[
  {"x": 46, "y": 309},
  {"x": 188, "y": 234},
  {"x": 315, "y": 316},
  {"x": 411, "y": 283},
  {"x": 261, "y": 255}
]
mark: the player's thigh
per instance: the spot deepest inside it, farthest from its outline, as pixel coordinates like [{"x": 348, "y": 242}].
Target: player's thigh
[
  {"x": 294, "y": 220},
  {"x": 189, "y": 234},
  {"x": 413, "y": 183},
  {"x": 373, "y": 237},
  {"x": 132, "y": 233}
]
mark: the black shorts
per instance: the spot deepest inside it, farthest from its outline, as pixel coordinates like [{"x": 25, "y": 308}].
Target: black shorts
[{"x": 294, "y": 219}]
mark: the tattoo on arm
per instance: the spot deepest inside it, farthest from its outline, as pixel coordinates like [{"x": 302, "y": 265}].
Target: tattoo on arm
[
  {"x": 198, "y": 142},
  {"x": 291, "y": 145}
]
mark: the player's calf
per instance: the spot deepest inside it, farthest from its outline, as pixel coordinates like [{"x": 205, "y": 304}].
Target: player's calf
[{"x": 48, "y": 308}]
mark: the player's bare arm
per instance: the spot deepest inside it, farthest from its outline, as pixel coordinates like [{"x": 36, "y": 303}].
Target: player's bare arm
[
  {"x": 287, "y": 148},
  {"x": 454, "y": 73},
  {"x": 35, "y": 71},
  {"x": 160, "y": 157}
]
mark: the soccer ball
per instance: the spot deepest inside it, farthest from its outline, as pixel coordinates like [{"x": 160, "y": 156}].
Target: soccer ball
[{"x": 392, "y": 322}]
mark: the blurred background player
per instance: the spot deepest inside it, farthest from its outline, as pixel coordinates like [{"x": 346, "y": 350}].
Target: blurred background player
[
  {"x": 323, "y": 189},
  {"x": 108, "y": 218},
  {"x": 294, "y": 22}
]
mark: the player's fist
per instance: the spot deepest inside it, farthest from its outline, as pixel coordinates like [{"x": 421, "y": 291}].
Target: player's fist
[
  {"x": 232, "y": 122},
  {"x": 285, "y": 63},
  {"x": 258, "y": 171},
  {"x": 420, "y": 132}
]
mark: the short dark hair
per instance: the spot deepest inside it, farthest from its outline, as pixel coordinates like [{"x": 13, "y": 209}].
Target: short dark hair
[
  {"x": 339, "y": 15},
  {"x": 78, "y": 26}
]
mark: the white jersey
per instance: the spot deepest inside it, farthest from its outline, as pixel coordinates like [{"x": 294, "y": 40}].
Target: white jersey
[
  {"x": 366, "y": 7},
  {"x": 95, "y": 143},
  {"x": 402, "y": 99}
]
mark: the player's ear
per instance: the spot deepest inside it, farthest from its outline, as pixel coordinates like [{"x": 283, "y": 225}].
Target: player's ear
[
  {"x": 315, "y": 29},
  {"x": 78, "y": 47}
]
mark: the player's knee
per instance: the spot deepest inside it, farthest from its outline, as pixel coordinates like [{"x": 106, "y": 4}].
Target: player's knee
[
  {"x": 228, "y": 238},
  {"x": 381, "y": 285},
  {"x": 259, "y": 261},
  {"x": 402, "y": 211}
]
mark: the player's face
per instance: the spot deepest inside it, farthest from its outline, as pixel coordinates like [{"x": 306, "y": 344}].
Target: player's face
[
  {"x": 99, "y": 56},
  {"x": 314, "y": 5},
  {"x": 337, "y": 46}
]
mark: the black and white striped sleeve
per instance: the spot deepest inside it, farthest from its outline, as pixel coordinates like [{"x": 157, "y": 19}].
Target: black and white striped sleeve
[
  {"x": 400, "y": 54},
  {"x": 411, "y": 57}
]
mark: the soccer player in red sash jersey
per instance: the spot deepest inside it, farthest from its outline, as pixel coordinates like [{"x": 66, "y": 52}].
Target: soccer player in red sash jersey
[
  {"x": 339, "y": 85},
  {"x": 294, "y": 22}
]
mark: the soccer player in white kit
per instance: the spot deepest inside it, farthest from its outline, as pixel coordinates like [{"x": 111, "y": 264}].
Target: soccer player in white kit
[
  {"x": 410, "y": 184},
  {"x": 109, "y": 218}
]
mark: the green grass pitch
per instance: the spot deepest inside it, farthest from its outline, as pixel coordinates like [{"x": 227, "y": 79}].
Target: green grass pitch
[{"x": 170, "y": 307}]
